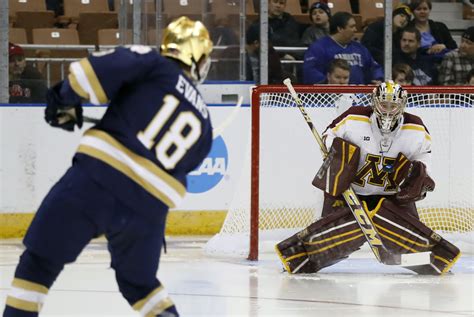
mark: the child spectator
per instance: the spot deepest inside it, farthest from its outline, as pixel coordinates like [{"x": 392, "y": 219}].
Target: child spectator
[
  {"x": 338, "y": 73},
  {"x": 319, "y": 15},
  {"x": 402, "y": 74}
]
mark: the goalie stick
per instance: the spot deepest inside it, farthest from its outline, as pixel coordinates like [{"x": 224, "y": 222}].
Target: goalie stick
[
  {"x": 360, "y": 214},
  {"x": 215, "y": 132}
]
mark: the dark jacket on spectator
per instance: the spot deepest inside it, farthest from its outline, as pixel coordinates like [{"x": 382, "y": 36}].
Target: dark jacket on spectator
[
  {"x": 313, "y": 33},
  {"x": 374, "y": 39},
  {"x": 285, "y": 30},
  {"x": 441, "y": 34},
  {"x": 424, "y": 67},
  {"x": 30, "y": 88}
]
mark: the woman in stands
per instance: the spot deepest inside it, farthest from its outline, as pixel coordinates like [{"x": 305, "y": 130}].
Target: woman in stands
[
  {"x": 435, "y": 36},
  {"x": 374, "y": 38}
]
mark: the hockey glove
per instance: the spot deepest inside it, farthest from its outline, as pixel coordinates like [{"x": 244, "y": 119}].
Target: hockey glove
[
  {"x": 416, "y": 185},
  {"x": 62, "y": 114}
]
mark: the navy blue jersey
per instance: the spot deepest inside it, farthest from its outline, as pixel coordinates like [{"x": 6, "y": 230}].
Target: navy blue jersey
[{"x": 155, "y": 131}]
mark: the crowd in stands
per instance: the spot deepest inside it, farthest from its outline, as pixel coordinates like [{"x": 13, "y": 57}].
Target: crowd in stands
[{"x": 334, "y": 47}]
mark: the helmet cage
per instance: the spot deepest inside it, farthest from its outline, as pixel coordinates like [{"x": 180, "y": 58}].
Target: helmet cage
[{"x": 389, "y": 101}]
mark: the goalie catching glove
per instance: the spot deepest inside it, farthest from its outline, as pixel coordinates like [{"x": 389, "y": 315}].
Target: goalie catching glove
[
  {"x": 415, "y": 186},
  {"x": 63, "y": 112}
]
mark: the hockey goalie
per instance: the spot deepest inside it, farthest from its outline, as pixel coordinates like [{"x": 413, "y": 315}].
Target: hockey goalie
[{"x": 384, "y": 154}]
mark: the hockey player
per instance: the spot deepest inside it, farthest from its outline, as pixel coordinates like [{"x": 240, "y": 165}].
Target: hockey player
[
  {"x": 128, "y": 170},
  {"x": 384, "y": 153}
]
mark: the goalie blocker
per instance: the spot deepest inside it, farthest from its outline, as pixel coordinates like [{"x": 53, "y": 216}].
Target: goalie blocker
[{"x": 336, "y": 235}]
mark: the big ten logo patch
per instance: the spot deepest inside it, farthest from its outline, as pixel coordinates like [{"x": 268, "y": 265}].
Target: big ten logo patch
[{"x": 211, "y": 171}]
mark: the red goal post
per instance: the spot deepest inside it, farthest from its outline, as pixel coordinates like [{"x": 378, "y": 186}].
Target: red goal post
[{"x": 284, "y": 158}]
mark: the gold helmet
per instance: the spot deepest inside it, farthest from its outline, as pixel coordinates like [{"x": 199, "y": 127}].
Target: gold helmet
[
  {"x": 188, "y": 41},
  {"x": 388, "y": 101}
]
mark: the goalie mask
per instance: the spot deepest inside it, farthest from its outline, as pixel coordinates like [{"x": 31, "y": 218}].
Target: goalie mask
[
  {"x": 189, "y": 42},
  {"x": 388, "y": 101}
]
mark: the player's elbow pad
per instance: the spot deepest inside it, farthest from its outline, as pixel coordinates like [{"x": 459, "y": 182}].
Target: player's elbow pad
[{"x": 339, "y": 168}]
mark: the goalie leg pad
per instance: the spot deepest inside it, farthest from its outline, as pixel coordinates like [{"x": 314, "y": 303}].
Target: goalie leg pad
[
  {"x": 401, "y": 232},
  {"x": 323, "y": 243}
]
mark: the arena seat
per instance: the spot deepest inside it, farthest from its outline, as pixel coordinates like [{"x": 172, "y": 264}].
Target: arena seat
[
  {"x": 25, "y": 5},
  {"x": 192, "y": 9},
  {"x": 338, "y": 6},
  {"x": 225, "y": 13},
  {"x": 112, "y": 37},
  {"x": 73, "y": 8},
  {"x": 90, "y": 22},
  {"x": 30, "y": 20},
  {"x": 293, "y": 7},
  {"x": 371, "y": 10},
  {"x": 50, "y": 36},
  {"x": 148, "y": 7},
  {"x": 17, "y": 36}
]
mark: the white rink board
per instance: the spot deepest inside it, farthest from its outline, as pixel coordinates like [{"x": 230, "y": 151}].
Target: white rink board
[{"x": 34, "y": 156}]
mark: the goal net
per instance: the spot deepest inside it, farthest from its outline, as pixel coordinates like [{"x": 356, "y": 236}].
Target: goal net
[{"x": 275, "y": 197}]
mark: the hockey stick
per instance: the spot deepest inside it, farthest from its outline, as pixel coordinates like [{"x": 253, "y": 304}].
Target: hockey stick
[
  {"x": 90, "y": 119},
  {"x": 215, "y": 132},
  {"x": 360, "y": 214},
  {"x": 228, "y": 120}
]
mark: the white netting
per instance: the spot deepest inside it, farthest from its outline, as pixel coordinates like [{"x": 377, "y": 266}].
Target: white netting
[{"x": 290, "y": 157}]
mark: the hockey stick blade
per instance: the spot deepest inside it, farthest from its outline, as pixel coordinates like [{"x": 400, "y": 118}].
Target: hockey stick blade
[
  {"x": 408, "y": 259},
  {"x": 91, "y": 119},
  {"x": 365, "y": 223},
  {"x": 413, "y": 259}
]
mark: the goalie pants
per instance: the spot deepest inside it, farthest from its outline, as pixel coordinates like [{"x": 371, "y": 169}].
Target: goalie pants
[
  {"x": 75, "y": 211},
  {"x": 337, "y": 235}
]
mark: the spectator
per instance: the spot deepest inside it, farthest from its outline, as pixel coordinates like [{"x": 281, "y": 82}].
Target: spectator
[
  {"x": 374, "y": 39},
  {"x": 275, "y": 73},
  {"x": 319, "y": 15},
  {"x": 286, "y": 32},
  {"x": 26, "y": 85},
  {"x": 223, "y": 35},
  {"x": 402, "y": 74},
  {"x": 283, "y": 26},
  {"x": 457, "y": 64},
  {"x": 423, "y": 66},
  {"x": 338, "y": 72},
  {"x": 228, "y": 66},
  {"x": 340, "y": 44},
  {"x": 435, "y": 36}
]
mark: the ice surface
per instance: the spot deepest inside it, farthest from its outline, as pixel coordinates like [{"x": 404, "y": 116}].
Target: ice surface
[{"x": 202, "y": 285}]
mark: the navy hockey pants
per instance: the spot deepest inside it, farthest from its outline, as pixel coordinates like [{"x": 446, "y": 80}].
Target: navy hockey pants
[{"x": 76, "y": 210}]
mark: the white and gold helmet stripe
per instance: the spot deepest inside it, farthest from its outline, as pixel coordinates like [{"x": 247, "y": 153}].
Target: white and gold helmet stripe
[
  {"x": 26, "y": 295},
  {"x": 155, "y": 303}
]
